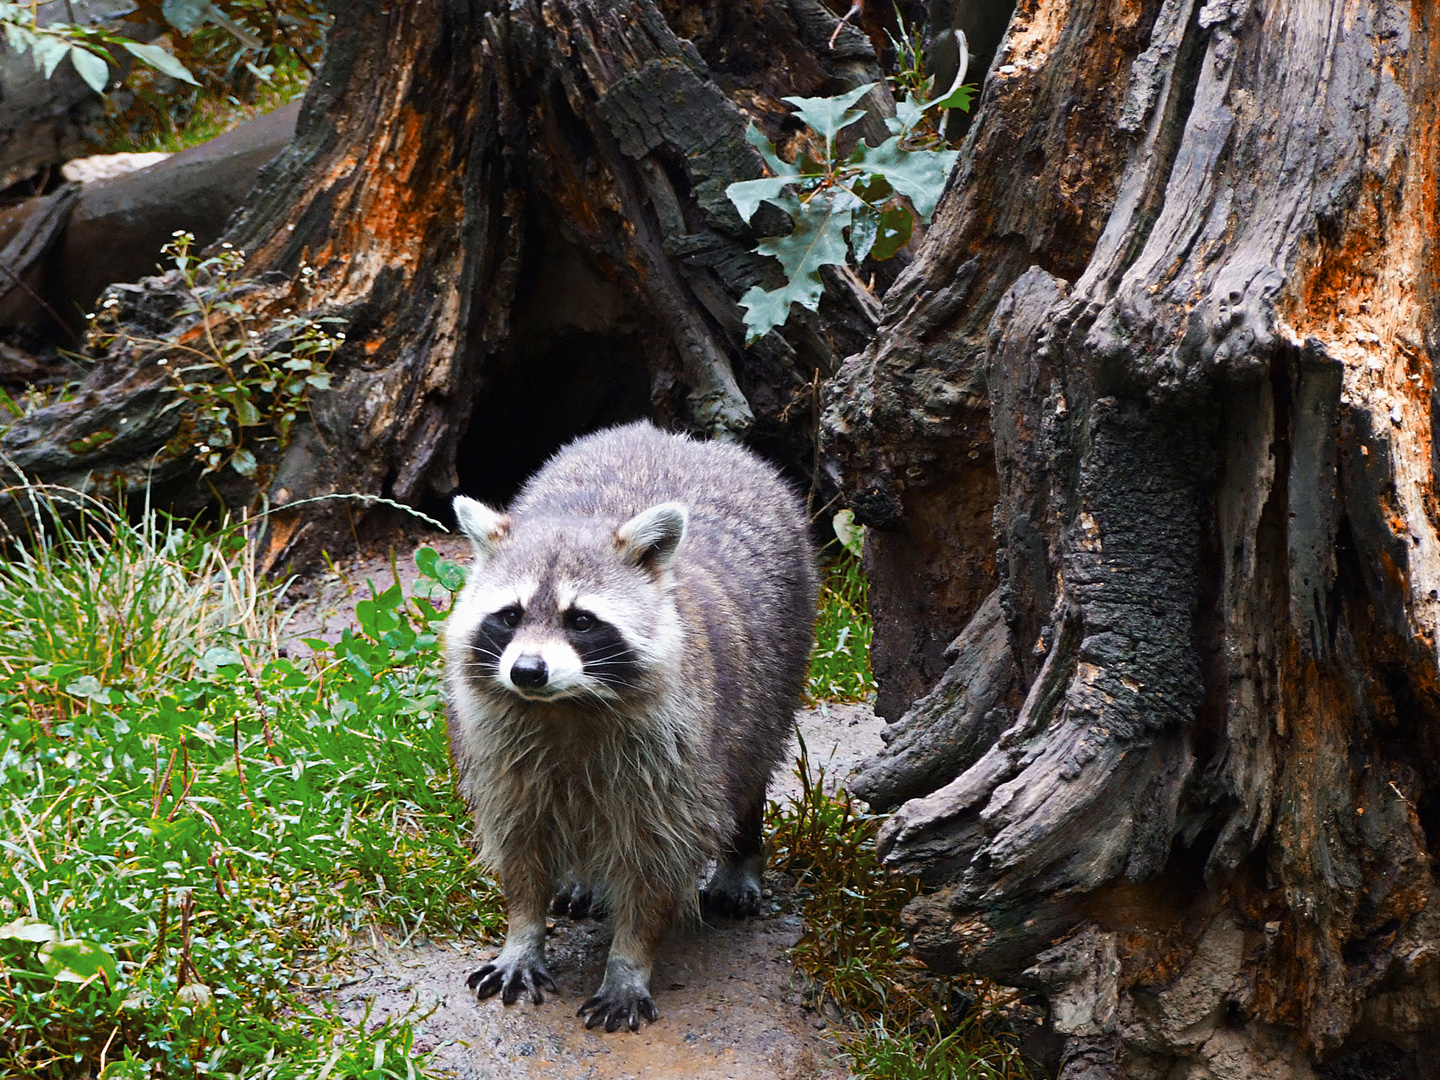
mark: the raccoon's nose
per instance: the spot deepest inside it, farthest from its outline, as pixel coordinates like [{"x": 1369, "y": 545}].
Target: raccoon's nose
[{"x": 528, "y": 671}]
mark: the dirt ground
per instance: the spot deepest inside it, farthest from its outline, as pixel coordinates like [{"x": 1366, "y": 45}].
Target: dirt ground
[{"x": 729, "y": 1005}]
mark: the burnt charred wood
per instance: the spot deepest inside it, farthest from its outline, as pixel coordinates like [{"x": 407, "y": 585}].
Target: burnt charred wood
[
  {"x": 1177, "y": 313},
  {"x": 25, "y": 259},
  {"x": 508, "y": 204}
]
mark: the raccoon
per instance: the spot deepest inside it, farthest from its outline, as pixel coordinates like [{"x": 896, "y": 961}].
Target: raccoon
[{"x": 623, "y": 667}]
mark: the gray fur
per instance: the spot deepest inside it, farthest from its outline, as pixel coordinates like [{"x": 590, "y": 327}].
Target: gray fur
[{"x": 635, "y": 775}]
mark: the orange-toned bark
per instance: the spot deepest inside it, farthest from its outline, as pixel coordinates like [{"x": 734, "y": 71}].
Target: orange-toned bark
[{"x": 1208, "y": 831}]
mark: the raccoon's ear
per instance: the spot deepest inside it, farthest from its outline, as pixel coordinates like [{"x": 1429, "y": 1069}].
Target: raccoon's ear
[
  {"x": 484, "y": 527},
  {"x": 650, "y": 538}
]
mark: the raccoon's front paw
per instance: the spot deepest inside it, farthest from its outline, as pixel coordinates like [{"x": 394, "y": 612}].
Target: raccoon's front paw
[
  {"x": 510, "y": 978},
  {"x": 732, "y": 892},
  {"x": 620, "y": 1002},
  {"x": 579, "y": 902}
]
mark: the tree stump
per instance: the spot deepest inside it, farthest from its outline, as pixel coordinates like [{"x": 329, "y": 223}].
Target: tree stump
[
  {"x": 1175, "y": 321},
  {"x": 519, "y": 210}
]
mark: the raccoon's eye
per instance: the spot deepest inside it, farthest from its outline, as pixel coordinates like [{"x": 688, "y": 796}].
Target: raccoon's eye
[
  {"x": 510, "y": 616},
  {"x": 579, "y": 621}
]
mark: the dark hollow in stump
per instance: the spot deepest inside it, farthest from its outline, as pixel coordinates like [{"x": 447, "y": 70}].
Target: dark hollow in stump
[
  {"x": 1176, "y": 323},
  {"x": 519, "y": 209}
]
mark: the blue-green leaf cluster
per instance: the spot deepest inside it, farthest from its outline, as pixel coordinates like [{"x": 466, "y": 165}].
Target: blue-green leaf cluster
[{"x": 861, "y": 206}]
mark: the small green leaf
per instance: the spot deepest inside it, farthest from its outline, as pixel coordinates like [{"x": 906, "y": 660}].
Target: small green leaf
[
  {"x": 450, "y": 574},
  {"x": 863, "y": 229},
  {"x": 959, "y": 98},
  {"x": 246, "y": 414},
  {"x": 243, "y": 462},
  {"x": 919, "y": 175},
  {"x": 88, "y": 686},
  {"x": 91, "y": 68},
  {"x": 851, "y": 537},
  {"x": 27, "y": 930},
  {"x": 747, "y": 195},
  {"x": 320, "y": 381},
  {"x": 218, "y": 656},
  {"x": 895, "y": 227},
  {"x": 818, "y": 239},
  {"x": 872, "y": 189},
  {"x": 908, "y": 113},
  {"x": 161, "y": 60},
  {"x": 756, "y": 138},
  {"x": 830, "y": 115},
  {"x": 77, "y": 961},
  {"x": 767, "y": 309},
  {"x": 47, "y": 52},
  {"x": 130, "y": 1068},
  {"x": 425, "y": 559}
]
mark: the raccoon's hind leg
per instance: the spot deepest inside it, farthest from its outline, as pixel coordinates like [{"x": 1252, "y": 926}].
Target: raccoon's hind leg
[
  {"x": 734, "y": 889},
  {"x": 520, "y": 967},
  {"x": 579, "y": 901}
]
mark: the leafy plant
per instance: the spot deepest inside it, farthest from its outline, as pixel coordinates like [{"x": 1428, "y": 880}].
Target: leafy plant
[
  {"x": 861, "y": 206},
  {"x": 247, "y": 388},
  {"x": 195, "y": 824},
  {"x": 248, "y": 57},
  {"x": 896, "y": 1018},
  {"x": 90, "y": 49}
]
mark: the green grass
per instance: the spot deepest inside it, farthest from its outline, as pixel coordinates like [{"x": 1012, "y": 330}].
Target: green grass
[
  {"x": 194, "y": 824},
  {"x": 898, "y": 1019},
  {"x": 840, "y": 664},
  {"x": 197, "y": 826},
  {"x": 209, "y": 115}
]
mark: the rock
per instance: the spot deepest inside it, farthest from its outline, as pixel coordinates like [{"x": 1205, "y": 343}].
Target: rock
[
  {"x": 107, "y": 166},
  {"x": 117, "y": 226},
  {"x": 196, "y": 190}
]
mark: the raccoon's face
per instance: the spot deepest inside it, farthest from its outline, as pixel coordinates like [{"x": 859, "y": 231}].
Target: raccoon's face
[{"x": 559, "y": 609}]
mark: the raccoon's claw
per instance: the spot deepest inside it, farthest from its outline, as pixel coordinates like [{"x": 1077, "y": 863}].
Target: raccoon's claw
[
  {"x": 618, "y": 1009},
  {"x": 509, "y": 981},
  {"x": 579, "y": 903}
]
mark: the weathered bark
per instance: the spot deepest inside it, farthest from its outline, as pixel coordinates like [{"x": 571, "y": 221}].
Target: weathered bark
[
  {"x": 519, "y": 209},
  {"x": 1176, "y": 321}
]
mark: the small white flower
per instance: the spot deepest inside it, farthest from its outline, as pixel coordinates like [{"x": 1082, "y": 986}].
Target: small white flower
[
  {"x": 162, "y": 361},
  {"x": 339, "y": 337},
  {"x": 203, "y": 448},
  {"x": 227, "y": 245}
]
